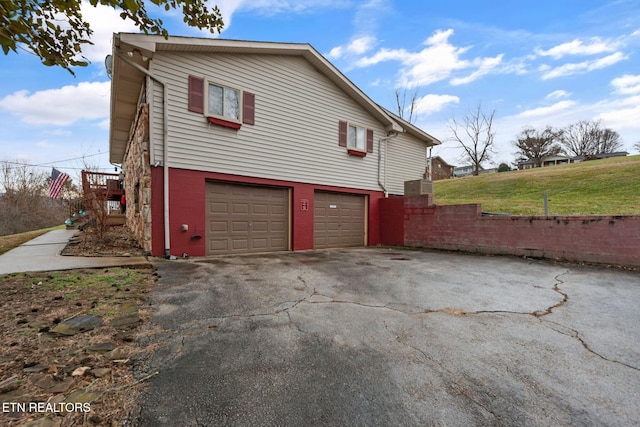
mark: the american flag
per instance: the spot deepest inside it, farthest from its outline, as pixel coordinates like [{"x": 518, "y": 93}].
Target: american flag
[{"x": 57, "y": 182}]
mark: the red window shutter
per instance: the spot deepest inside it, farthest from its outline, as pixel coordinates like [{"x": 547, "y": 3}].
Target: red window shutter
[
  {"x": 196, "y": 94},
  {"x": 248, "y": 108},
  {"x": 342, "y": 134},
  {"x": 369, "y": 140}
]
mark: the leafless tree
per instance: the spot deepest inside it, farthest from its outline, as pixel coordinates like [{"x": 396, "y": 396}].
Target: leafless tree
[
  {"x": 475, "y": 134},
  {"x": 609, "y": 141},
  {"x": 535, "y": 145},
  {"x": 637, "y": 145},
  {"x": 587, "y": 137},
  {"x": 24, "y": 204},
  {"x": 406, "y": 112}
]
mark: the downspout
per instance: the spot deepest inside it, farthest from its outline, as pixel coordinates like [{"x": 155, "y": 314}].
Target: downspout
[
  {"x": 382, "y": 180},
  {"x": 165, "y": 147}
]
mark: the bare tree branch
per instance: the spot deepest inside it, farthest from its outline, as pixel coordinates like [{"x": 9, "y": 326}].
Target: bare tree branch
[
  {"x": 475, "y": 135},
  {"x": 587, "y": 137},
  {"x": 401, "y": 105}
]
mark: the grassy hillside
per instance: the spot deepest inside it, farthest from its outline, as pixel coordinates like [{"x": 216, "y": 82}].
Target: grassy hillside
[{"x": 599, "y": 187}]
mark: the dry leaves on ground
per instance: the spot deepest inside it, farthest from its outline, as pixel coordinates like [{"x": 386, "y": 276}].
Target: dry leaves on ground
[
  {"x": 113, "y": 241},
  {"x": 68, "y": 338}
]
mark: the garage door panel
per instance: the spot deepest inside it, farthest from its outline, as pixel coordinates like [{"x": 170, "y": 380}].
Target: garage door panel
[
  {"x": 245, "y": 218},
  {"x": 239, "y": 226},
  {"x": 339, "y": 220},
  {"x": 218, "y": 245},
  {"x": 218, "y": 207},
  {"x": 260, "y": 226},
  {"x": 278, "y": 226},
  {"x": 219, "y": 226},
  {"x": 260, "y": 244},
  {"x": 240, "y": 244},
  {"x": 278, "y": 210},
  {"x": 240, "y": 208},
  {"x": 260, "y": 209}
]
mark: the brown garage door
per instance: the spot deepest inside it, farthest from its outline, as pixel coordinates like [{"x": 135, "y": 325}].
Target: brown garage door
[
  {"x": 339, "y": 220},
  {"x": 246, "y": 218}
]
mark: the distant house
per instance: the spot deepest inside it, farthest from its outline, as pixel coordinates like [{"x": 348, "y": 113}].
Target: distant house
[
  {"x": 460, "y": 171},
  {"x": 546, "y": 161},
  {"x": 563, "y": 160},
  {"x": 440, "y": 169},
  {"x": 601, "y": 156}
]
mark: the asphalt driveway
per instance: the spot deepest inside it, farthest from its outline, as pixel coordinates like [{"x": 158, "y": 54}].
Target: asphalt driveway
[{"x": 387, "y": 337}]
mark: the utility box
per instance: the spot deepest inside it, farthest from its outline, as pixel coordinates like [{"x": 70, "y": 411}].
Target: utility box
[{"x": 418, "y": 187}]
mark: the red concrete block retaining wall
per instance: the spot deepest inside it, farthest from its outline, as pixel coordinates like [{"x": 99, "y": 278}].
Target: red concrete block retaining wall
[{"x": 593, "y": 239}]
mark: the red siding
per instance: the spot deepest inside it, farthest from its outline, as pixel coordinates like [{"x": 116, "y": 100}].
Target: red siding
[
  {"x": 392, "y": 221},
  {"x": 187, "y": 206}
]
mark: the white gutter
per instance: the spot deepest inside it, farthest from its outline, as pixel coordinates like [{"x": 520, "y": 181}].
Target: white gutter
[
  {"x": 165, "y": 147},
  {"x": 383, "y": 182}
]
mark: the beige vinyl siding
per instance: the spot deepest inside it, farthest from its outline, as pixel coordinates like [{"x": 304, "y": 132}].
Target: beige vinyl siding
[
  {"x": 295, "y": 136},
  {"x": 406, "y": 161}
]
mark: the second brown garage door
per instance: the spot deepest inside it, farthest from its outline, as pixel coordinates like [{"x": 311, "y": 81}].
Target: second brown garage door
[
  {"x": 339, "y": 220},
  {"x": 246, "y": 218}
]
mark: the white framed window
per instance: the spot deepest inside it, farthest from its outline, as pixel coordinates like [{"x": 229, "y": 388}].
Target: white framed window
[
  {"x": 224, "y": 102},
  {"x": 356, "y": 138}
]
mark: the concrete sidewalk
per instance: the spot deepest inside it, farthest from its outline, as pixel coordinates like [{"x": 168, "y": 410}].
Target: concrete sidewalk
[{"x": 43, "y": 254}]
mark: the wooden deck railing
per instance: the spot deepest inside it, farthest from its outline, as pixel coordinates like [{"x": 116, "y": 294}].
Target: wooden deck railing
[{"x": 104, "y": 185}]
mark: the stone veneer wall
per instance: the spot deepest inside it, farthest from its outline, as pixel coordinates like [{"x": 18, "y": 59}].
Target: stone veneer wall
[{"x": 137, "y": 181}]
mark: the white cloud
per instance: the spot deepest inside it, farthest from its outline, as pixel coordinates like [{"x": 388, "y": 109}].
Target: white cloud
[
  {"x": 558, "y": 94},
  {"x": 546, "y": 111},
  {"x": 357, "y": 46},
  {"x": 582, "y": 67},
  {"x": 627, "y": 84},
  {"x": 272, "y": 7},
  {"x": 335, "y": 53},
  {"x": 432, "y": 103},
  {"x": 485, "y": 66},
  {"x": 593, "y": 46},
  {"x": 361, "y": 45},
  {"x": 103, "y": 21},
  {"x": 622, "y": 115},
  {"x": 382, "y": 55},
  {"x": 60, "y": 107},
  {"x": 436, "y": 62}
]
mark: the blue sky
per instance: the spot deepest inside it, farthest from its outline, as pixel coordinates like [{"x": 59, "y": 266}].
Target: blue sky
[{"x": 534, "y": 63}]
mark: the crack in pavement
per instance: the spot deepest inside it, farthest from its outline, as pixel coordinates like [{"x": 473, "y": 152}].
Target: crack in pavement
[
  {"x": 287, "y": 306},
  {"x": 537, "y": 313},
  {"x": 556, "y": 287},
  {"x": 576, "y": 334},
  {"x": 451, "y": 376}
]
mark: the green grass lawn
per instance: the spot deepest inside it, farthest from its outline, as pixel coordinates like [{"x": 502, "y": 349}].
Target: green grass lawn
[{"x": 599, "y": 187}]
